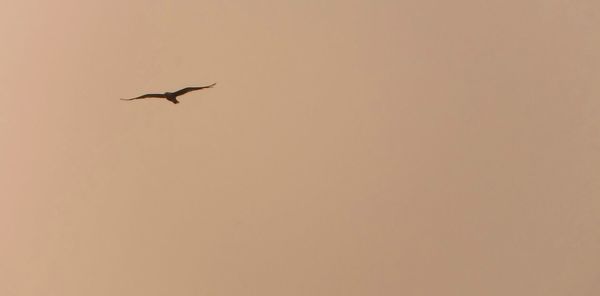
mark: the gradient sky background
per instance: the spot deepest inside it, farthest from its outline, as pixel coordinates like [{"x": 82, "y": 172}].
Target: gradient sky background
[{"x": 349, "y": 148}]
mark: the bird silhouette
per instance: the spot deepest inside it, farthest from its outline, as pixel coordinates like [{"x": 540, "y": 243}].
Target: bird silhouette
[{"x": 171, "y": 96}]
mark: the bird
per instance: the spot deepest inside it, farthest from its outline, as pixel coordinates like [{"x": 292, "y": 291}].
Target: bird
[{"x": 171, "y": 96}]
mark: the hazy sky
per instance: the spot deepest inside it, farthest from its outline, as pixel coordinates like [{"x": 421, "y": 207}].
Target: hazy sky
[{"x": 349, "y": 148}]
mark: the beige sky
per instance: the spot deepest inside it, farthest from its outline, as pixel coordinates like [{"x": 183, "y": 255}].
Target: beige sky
[{"x": 349, "y": 148}]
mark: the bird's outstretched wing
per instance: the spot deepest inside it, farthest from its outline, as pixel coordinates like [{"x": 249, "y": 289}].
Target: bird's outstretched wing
[
  {"x": 189, "y": 89},
  {"x": 146, "y": 96}
]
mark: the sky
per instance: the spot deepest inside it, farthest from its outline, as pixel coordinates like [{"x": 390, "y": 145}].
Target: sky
[{"x": 349, "y": 148}]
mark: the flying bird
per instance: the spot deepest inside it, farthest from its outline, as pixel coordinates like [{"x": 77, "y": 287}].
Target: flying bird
[{"x": 171, "y": 96}]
